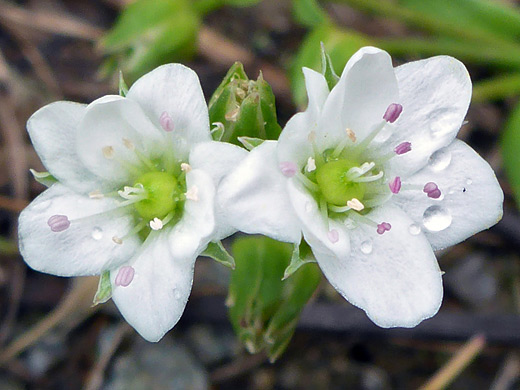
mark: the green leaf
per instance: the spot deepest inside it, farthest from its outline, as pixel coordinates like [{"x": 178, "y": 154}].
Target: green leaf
[
  {"x": 327, "y": 69},
  {"x": 301, "y": 255},
  {"x": 123, "y": 88},
  {"x": 308, "y": 13},
  {"x": 263, "y": 309},
  {"x": 104, "y": 291},
  {"x": 44, "y": 178},
  {"x": 250, "y": 143},
  {"x": 510, "y": 147},
  {"x": 242, "y": 3},
  {"x": 217, "y": 252},
  {"x": 340, "y": 45}
]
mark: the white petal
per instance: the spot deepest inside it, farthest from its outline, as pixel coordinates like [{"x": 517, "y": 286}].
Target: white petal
[
  {"x": 86, "y": 247},
  {"x": 53, "y": 130},
  {"x": 110, "y": 122},
  {"x": 471, "y": 198},
  {"x": 196, "y": 228},
  {"x": 317, "y": 89},
  {"x": 367, "y": 87},
  {"x": 314, "y": 226},
  {"x": 254, "y": 197},
  {"x": 398, "y": 283},
  {"x": 294, "y": 144},
  {"x": 216, "y": 158},
  {"x": 435, "y": 94},
  {"x": 155, "y": 299},
  {"x": 174, "y": 89}
]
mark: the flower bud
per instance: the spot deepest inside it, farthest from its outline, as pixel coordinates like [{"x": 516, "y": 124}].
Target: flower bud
[{"x": 245, "y": 107}]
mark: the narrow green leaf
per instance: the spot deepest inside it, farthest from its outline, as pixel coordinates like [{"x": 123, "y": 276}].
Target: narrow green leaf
[
  {"x": 217, "y": 252},
  {"x": 327, "y": 69},
  {"x": 104, "y": 291},
  {"x": 123, "y": 88}
]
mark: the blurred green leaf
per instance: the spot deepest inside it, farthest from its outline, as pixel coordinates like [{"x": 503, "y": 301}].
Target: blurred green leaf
[
  {"x": 149, "y": 33},
  {"x": 123, "y": 88},
  {"x": 339, "y": 44},
  {"x": 309, "y": 13},
  {"x": 241, "y": 3},
  {"x": 510, "y": 146},
  {"x": 244, "y": 107},
  {"x": 496, "y": 88},
  {"x": 8, "y": 247},
  {"x": 264, "y": 309}
]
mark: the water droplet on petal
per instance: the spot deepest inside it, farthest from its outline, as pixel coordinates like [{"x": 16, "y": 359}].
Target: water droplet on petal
[
  {"x": 436, "y": 218},
  {"x": 384, "y": 134},
  {"x": 440, "y": 159},
  {"x": 97, "y": 233},
  {"x": 366, "y": 247},
  {"x": 414, "y": 229},
  {"x": 446, "y": 119}
]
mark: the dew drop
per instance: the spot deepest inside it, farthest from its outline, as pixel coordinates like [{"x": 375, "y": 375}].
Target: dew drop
[
  {"x": 436, "y": 218},
  {"x": 440, "y": 159},
  {"x": 97, "y": 233},
  {"x": 366, "y": 247},
  {"x": 414, "y": 229},
  {"x": 445, "y": 120}
]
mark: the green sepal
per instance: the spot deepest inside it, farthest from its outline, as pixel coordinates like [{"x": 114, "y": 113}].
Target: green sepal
[
  {"x": 217, "y": 252},
  {"x": 123, "y": 88},
  {"x": 44, "y": 178},
  {"x": 244, "y": 107},
  {"x": 301, "y": 255},
  {"x": 218, "y": 131},
  {"x": 263, "y": 309},
  {"x": 104, "y": 290},
  {"x": 327, "y": 69},
  {"x": 250, "y": 143}
]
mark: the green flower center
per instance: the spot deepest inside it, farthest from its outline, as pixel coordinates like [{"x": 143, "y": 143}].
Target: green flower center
[
  {"x": 334, "y": 182},
  {"x": 162, "y": 195}
]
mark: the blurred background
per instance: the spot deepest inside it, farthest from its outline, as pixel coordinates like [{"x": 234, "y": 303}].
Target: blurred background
[{"x": 51, "y": 337}]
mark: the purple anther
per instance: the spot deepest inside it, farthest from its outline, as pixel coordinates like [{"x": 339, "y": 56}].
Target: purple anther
[
  {"x": 395, "y": 185},
  {"x": 432, "y": 190},
  {"x": 125, "y": 275},
  {"x": 58, "y": 223},
  {"x": 392, "y": 112},
  {"x": 166, "y": 122},
  {"x": 383, "y": 227},
  {"x": 288, "y": 168},
  {"x": 403, "y": 148},
  {"x": 333, "y": 236}
]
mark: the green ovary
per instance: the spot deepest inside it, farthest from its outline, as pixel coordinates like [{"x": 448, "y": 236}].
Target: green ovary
[
  {"x": 162, "y": 190},
  {"x": 334, "y": 184}
]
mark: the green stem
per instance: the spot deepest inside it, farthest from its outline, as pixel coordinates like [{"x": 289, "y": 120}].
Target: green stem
[{"x": 497, "y": 88}]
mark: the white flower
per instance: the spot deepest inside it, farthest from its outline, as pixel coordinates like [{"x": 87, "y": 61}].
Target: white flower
[
  {"x": 391, "y": 183},
  {"x": 135, "y": 193}
]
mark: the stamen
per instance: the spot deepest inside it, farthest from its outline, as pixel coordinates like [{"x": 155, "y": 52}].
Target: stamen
[
  {"x": 311, "y": 164},
  {"x": 193, "y": 193},
  {"x": 96, "y": 194},
  {"x": 333, "y": 236},
  {"x": 324, "y": 211},
  {"x": 156, "y": 224},
  {"x": 125, "y": 275},
  {"x": 355, "y": 172},
  {"x": 58, "y": 223},
  {"x": 395, "y": 185},
  {"x": 366, "y": 179},
  {"x": 403, "y": 148},
  {"x": 166, "y": 122},
  {"x": 361, "y": 219},
  {"x": 108, "y": 152},
  {"x": 338, "y": 149},
  {"x": 377, "y": 201},
  {"x": 338, "y": 209},
  {"x": 131, "y": 193},
  {"x": 288, "y": 168},
  {"x": 128, "y": 144},
  {"x": 185, "y": 167},
  {"x": 383, "y": 227},
  {"x": 393, "y": 112},
  {"x": 432, "y": 190},
  {"x": 317, "y": 154},
  {"x": 351, "y": 135},
  {"x": 307, "y": 182},
  {"x": 355, "y": 204},
  {"x": 117, "y": 240}
]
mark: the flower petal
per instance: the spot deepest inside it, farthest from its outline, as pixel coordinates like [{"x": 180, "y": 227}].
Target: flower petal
[
  {"x": 196, "y": 229},
  {"x": 317, "y": 89},
  {"x": 110, "y": 122},
  {"x": 86, "y": 247},
  {"x": 393, "y": 277},
  {"x": 254, "y": 197},
  {"x": 471, "y": 198},
  {"x": 435, "y": 94},
  {"x": 367, "y": 87},
  {"x": 155, "y": 299},
  {"x": 175, "y": 90},
  {"x": 53, "y": 130},
  {"x": 316, "y": 229}
]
